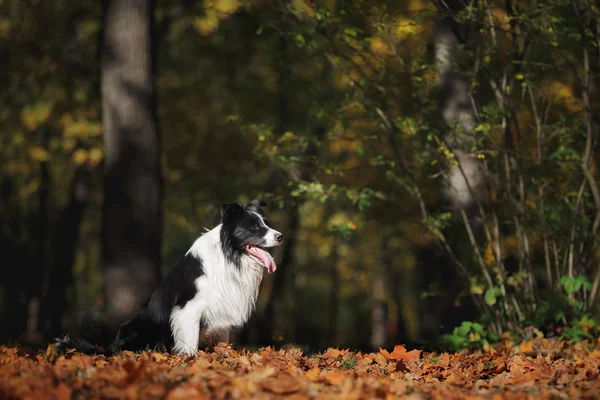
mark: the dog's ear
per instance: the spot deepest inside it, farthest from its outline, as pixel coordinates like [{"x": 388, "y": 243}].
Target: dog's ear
[
  {"x": 255, "y": 205},
  {"x": 231, "y": 211},
  {"x": 258, "y": 203}
]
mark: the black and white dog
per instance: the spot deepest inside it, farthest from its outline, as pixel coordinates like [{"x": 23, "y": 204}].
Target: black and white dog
[{"x": 215, "y": 287}]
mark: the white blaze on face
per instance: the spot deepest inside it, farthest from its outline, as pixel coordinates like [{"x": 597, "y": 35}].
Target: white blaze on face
[{"x": 271, "y": 235}]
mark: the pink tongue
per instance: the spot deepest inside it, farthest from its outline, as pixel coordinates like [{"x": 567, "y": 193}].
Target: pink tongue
[{"x": 267, "y": 259}]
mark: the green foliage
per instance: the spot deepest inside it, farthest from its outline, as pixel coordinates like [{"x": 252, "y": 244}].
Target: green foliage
[
  {"x": 349, "y": 362},
  {"x": 491, "y": 296},
  {"x": 469, "y": 335},
  {"x": 583, "y": 328}
]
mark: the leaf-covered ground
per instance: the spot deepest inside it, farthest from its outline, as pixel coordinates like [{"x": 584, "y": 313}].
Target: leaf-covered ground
[{"x": 541, "y": 369}]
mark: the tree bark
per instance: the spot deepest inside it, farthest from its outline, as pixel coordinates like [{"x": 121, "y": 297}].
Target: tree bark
[
  {"x": 269, "y": 319},
  {"x": 464, "y": 184},
  {"x": 64, "y": 241},
  {"x": 379, "y": 293},
  {"x": 37, "y": 269},
  {"x": 466, "y": 181},
  {"x": 132, "y": 218}
]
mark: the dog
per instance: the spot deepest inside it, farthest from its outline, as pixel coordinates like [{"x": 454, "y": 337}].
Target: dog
[{"x": 214, "y": 286}]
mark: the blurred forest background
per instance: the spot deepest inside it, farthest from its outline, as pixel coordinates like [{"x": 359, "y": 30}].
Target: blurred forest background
[{"x": 432, "y": 165}]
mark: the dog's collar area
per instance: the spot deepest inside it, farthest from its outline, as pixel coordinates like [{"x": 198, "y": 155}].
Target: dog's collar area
[{"x": 265, "y": 258}]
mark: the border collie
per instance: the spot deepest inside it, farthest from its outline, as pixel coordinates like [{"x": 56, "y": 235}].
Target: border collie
[{"x": 215, "y": 286}]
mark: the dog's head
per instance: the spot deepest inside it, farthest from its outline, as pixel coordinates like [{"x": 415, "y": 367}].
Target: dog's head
[{"x": 245, "y": 229}]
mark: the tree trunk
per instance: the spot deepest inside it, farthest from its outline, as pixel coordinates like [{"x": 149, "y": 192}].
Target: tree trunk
[
  {"x": 15, "y": 250},
  {"x": 64, "y": 245},
  {"x": 379, "y": 314},
  {"x": 269, "y": 319},
  {"x": 37, "y": 269},
  {"x": 465, "y": 182},
  {"x": 132, "y": 218}
]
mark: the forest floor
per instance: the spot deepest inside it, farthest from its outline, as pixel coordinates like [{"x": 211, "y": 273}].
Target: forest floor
[{"x": 538, "y": 369}]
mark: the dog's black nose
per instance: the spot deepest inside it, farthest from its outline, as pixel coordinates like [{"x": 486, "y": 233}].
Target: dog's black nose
[{"x": 279, "y": 238}]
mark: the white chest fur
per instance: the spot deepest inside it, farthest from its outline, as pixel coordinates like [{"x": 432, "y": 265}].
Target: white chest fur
[{"x": 225, "y": 297}]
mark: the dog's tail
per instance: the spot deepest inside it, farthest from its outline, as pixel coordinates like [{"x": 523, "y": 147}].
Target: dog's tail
[{"x": 78, "y": 344}]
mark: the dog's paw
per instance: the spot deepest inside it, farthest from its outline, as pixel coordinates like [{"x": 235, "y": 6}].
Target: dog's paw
[{"x": 61, "y": 344}]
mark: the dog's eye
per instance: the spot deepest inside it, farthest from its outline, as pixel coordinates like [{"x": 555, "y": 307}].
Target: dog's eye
[{"x": 254, "y": 227}]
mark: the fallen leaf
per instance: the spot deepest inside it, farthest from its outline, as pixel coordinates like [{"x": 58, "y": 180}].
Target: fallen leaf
[
  {"x": 561, "y": 370},
  {"x": 335, "y": 377},
  {"x": 134, "y": 371},
  {"x": 400, "y": 353},
  {"x": 159, "y": 357},
  {"x": 281, "y": 384},
  {"x": 526, "y": 347},
  {"x": 332, "y": 353},
  {"x": 50, "y": 354},
  {"x": 401, "y": 366},
  {"x": 313, "y": 373},
  {"x": 63, "y": 392}
]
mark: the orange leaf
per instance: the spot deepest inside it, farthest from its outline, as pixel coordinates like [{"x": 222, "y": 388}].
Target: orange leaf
[
  {"x": 332, "y": 353},
  {"x": 134, "y": 370},
  {"x": 401, "y": 366},
  {"x": 526, "y": 347},
  {"x": 185, "y": 393},
  {"x": 313, "y": 373},
  {"x": 159, "y": 356},
  {"x": 281, "y": 384},
  {"x": 63, "y": 392},
  {"x": 400, "y": 353},
  {"x": 335, "y": 378}
]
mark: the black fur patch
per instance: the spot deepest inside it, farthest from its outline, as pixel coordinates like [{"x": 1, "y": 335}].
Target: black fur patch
[
  {"x": 241, "y": 226},
  {"x": 150, "y": 326}
]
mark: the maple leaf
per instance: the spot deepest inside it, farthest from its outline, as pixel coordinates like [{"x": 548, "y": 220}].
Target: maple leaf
[
  {"x": 159, "y": 357},
  {"x": 313, "y": 373},
  {"x": 401, "y": 366},
  {"x": 134, "y": 371},
  {"x": 332, "y": 353},
  {"x": 63, "y": 392},
  {"x": 185, "y": 393},
  {"x": 526, "y": 347},
  {"x": 281, "y": 384},
  {"x": 335, "y": 378},
  {"x": 400, "y": 354}
]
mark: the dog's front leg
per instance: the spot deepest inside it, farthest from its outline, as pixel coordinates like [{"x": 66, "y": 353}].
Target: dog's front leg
[{"x": 185, "y": 327}]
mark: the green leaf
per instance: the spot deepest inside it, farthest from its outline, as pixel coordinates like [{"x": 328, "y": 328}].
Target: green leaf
[
  {"x": 490, "y": 297},
  {"x": 464, "y": 329}
]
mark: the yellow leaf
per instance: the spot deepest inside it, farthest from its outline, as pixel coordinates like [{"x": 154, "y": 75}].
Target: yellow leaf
[
  {"x": 405, "y": 27},
  {"x": 215, "y": 10},
  {"x": 36, "y": 114},
  {"x": 303, "y": 8},
  {"x": 80, "y": 156},
  {"x": 379, "y": 46},
  {"x": 96, "y": 156},
  {"x": 39, "y": 154},
  {"x": 530, "y": 204},
  {"x": 313, "y": 373},
  {"x": 50, "y": 354},
  {"x": 488, "y": 255}
]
